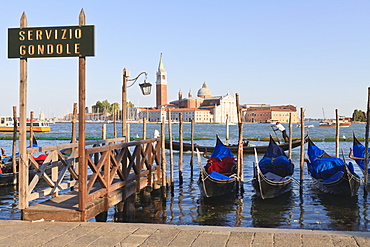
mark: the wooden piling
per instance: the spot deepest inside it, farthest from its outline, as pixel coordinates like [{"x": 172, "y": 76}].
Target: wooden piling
[
  {"x": 31, "y": 129},
  {"x": 104, "y": 131},
  {"x": 301, "y": 171},
  {"x": 163, "y": 152},
  {"x": 336, "y": 133},
  {"x": 14, "y": 147},
  {"x": 240, "y": 140},
  {"x": 171, "y": 147},
  {"x": 192, "y": 148},
  {"x": 114, "y": 124},
  {"x": 74, "y": 121},
  {"x": 181, "y": 154},
  {"x": 144, "y": 128},
  {"x": 366, "y": 174},
  {"x": 290, "y": 136}
]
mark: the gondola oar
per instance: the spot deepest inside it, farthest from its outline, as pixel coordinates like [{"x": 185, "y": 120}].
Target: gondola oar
[{"x": 276, "y": 134}]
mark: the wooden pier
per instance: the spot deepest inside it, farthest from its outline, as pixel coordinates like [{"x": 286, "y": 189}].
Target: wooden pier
[{"x": 116, "y": 171}]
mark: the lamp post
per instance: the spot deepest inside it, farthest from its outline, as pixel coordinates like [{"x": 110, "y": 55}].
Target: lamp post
[{"x": 145, "y": 89}]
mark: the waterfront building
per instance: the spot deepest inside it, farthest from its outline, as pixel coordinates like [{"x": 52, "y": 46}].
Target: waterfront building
[
  {"x": 262, "y": 113},
  {"x": 155, "y": 115}
]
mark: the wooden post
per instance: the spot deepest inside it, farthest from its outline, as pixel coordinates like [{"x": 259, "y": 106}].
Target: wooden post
[
  {"x": 74, "y": 120},
  {"x": 192, "y": 148},
  {"x": 82, "y": 166},
  {"x": 23, "y": 159},
  {"x": 114, "y": 124},
  {"x": 163, "y": 152},
  {"x": 366, "y": 174},
  {"x": 240, "y": 141},
  {"x": 336, "y": 133},
  {"x": 144, "y": 128},
  {"x": 290, "y": 136},
  {"x": 14, "y": 147},
  {"x": 302, "y": 147},
  {"x": 124, "y": 103},
  {"x": 171, "y": 147},
  {"x": 128, "y": 131},
  {"x": 181, "y": 154},
  {"x": 31, "y": 129},
  {"x": 104, "y": 131}
]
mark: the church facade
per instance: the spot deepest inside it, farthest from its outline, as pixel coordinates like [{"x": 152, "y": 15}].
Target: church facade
[{"x": 206, "y": 108}]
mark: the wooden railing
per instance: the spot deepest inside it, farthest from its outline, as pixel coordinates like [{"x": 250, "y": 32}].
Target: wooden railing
[{"x": 110, "y": 165}]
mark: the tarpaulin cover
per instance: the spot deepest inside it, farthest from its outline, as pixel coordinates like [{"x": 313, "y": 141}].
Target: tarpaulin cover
[
  {"x": 324, "y": 168},
  {"x": 359, "y": 152},
  {"x": 218, "y": 176},
  {"x": 221, "y": 151},
  {"x": 276, "y": 161}
]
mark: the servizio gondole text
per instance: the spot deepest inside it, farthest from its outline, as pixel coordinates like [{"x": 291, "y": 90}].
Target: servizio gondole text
[{"x": 51, "y": 42}]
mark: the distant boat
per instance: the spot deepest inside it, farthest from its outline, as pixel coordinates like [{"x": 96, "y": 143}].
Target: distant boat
[
  {"x": 333, "y": 124},
  {"x": 7, "y": 125}
]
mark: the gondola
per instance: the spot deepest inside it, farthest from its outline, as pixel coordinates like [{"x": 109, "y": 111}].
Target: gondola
[
  {"x": 331, "y": 175},
  {"x": 273, "y": 173},
  {"x": 247, "y": 149},
  {"x": 358, "y": 154},
  {"x": 218, "y": 177}
]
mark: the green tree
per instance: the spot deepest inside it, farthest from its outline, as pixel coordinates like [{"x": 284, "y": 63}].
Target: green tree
[
  {"x": 105, "y": 106},
  {"x": 358, "y": 116}
]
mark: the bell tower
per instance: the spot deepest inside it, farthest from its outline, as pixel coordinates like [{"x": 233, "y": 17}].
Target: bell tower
[{"x": 161, "y": 85}]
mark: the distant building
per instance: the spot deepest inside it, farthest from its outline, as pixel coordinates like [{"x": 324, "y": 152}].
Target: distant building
[
  {"x": 161, "y": 85},
  {"x": 261, "y": 113}
]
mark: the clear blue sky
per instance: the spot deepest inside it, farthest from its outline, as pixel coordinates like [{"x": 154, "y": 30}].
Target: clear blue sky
[{"x": 312, "y": 54}]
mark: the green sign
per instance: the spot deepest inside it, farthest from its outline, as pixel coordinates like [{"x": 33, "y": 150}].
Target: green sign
[{"x": 72, "y": 41}]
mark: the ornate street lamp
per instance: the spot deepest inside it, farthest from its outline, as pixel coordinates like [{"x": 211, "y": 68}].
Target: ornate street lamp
[{"x": 145, "y": 89}]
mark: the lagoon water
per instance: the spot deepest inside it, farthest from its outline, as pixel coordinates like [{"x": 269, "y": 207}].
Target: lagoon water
[{"x": 302, "y": 208}]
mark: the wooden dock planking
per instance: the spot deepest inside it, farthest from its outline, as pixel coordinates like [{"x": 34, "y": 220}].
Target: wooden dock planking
[{"x": 65, "y": 206}]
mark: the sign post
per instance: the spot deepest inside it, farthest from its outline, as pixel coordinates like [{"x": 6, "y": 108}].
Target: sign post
[{"x": 63, "y": 41}]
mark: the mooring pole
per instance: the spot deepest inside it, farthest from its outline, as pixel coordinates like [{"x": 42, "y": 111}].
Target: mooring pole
[
  {"x": 336, "y": 133},
  {"x": 74, "y": 120},
  {"x": 23, "y": 159},
  {"x": 366, "y": 174},
  {"x": 82, "y": 166},
  {"x": 144, "y": 128},
  {"x": 171, "y": 148},
  {"x": 192, "y": 149},
  {"x": 14, "y": 147},
  {"x": 181, "y": 143},
  {"x": 290, "y": 136},
  {"x": 31, "y": 129},
  {"x": 240, "y": 141},
  {"x": 302, "y": 148},
  {"x": 163, "y": 153}
]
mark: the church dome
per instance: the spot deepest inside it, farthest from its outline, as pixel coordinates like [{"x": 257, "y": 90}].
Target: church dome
[{"x": 204, "y": 92}]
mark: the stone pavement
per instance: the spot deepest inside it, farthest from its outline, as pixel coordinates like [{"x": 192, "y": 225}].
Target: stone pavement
[{"x": 24, "y": 233}]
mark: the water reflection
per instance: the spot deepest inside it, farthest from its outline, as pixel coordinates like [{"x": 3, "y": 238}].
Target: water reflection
[
  {"x": 272, "y": 212},
  {"x": 343, "y": 212},
  {"x": 217, "y": 211}
]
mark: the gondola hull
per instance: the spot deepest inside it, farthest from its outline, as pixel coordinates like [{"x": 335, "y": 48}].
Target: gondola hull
[
  {"x": 347, "y": 185},
  {"x": 212, "y": 187},
  {"x": 330, "y": 174},
  {"x": 266, "y": 188},
  {"x": 273, "y": 173}
]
